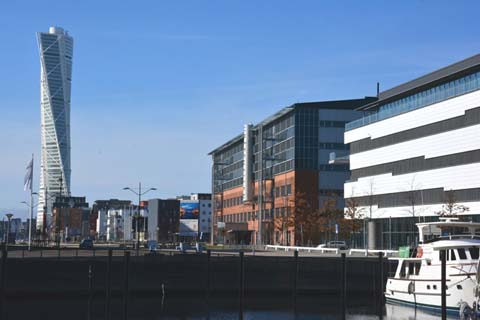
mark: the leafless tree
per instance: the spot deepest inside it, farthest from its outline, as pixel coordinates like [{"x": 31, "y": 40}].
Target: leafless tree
[{"x": 450, "y": 207}]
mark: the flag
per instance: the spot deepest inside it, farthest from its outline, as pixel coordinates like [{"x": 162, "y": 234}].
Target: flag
[{"x": 27, "y": 182}]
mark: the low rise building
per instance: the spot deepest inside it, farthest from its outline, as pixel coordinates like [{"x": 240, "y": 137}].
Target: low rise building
[
  {"x": 163, "y": 219},
  {"x": 69, "y": 219},
  {"x": 197, "y": 206},
  {"x": 108, "y": 212}
]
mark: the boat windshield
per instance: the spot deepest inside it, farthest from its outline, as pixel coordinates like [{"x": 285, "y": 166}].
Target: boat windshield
[{"x": 448, "y": 230}]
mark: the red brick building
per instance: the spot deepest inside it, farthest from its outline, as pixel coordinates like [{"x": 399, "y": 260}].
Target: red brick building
[{"x": 258, "y": 176}]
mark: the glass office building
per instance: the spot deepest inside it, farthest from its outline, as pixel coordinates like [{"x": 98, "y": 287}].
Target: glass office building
[{"x": 257, "y": 175}]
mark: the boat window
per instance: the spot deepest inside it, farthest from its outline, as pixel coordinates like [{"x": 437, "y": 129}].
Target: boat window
[
  {"x": 462, "y": 254},
  {"x": 410, "y": 268},
  {"x": 402, "y": 270},
  {"x": 459, "y": 287},
  {"x": 452, "y": 255},
  {"x": 473, "y": 252},
  {"x": 417, "y": 267},
  {"x": 434, "y": 287},
  {"x": 428, "y": 287}
]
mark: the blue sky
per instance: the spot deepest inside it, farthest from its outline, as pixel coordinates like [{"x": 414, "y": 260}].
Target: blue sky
[{"x": 159, "y": 84}]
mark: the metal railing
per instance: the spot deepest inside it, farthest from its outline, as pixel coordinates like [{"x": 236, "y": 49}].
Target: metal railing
[
  {"x": 307, "y": 249},
  {"x": 366, "y": 252}
]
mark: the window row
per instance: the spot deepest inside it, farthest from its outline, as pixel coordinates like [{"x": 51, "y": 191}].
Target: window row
[
  {"x": 283, "y": 191},
  {"x": 424, "y": 98},
  {"x": 332, "y": 124},
  {"x": 231, "y": 202},
  {"x": 332, "y": 146}
]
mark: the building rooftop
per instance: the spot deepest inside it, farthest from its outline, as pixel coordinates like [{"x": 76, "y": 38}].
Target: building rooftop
[
  {"x": 351, "y": 104},
  {"x": 454, "y": 70}
]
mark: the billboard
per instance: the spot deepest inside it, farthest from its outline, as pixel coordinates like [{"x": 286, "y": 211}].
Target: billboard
[
  {"x": 247, "y": 163},
  {"x": 189, "y": 209},
  {"x": 188, "y": 228}
]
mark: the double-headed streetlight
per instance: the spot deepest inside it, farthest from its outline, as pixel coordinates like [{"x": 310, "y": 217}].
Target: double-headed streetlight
[{"x": 139, "y": 193}]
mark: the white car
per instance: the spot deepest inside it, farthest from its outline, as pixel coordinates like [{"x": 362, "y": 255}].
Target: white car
[{"x": 342, "y": 245}]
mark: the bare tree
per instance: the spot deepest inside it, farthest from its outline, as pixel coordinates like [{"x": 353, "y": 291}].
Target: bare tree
[
  {"x": 450, "y": 207},
  {"x": 371, "y": 198},
  {"x": 300, "y": 218},
  {"x": 281, "y": 224},
  {"x": 353, "y": 214}
]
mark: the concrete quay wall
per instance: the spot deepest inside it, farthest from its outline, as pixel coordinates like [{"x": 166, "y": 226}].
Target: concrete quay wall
[{"x": 194, "y": 274}]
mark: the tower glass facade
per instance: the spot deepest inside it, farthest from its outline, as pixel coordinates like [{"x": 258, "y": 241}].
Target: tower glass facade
[{"x": 56, "y": 52}]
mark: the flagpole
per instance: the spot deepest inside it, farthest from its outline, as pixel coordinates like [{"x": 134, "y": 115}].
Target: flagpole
[{"x": 31, "y": 210}]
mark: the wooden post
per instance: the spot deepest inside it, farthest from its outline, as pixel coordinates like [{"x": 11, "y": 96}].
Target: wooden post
[
  {"x": 443, "y": 258},
  {"x": 125, "y": 284},
  {"x": 209, "y": 253},
  {"x": 90, "y": 292},
  {"x": 295, "y": 277},
  {"x": 380, "y": 285},
  {"x": 3, "y": 273},
  {"x": 241, "y": 276},
  {"x": 343, "y": 286},
  {"x": 108, "y": 285}
]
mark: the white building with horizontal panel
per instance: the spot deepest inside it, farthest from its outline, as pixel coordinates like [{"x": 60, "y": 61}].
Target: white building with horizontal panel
[{"x": 417, "y": 153}]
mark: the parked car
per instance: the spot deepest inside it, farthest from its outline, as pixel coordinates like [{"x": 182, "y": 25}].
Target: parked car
[
  {"x": 339, "y": 244},
  {"x": 86, "y": 244}
]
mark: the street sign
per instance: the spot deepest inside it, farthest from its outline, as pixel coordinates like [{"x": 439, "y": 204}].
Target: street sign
[{"x": 221, "y": 225}]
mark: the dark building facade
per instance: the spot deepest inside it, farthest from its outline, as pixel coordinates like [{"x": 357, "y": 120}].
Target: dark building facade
[
  {"x": 163, "y": 219},
  {"x": 70, "y": 219}
]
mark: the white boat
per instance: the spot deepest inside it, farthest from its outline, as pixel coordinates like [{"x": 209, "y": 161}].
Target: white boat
[{"x": 417, "y": 280}]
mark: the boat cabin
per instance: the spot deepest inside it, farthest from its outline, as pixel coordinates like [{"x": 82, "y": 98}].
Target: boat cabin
[{"x": 447, "y": 229}]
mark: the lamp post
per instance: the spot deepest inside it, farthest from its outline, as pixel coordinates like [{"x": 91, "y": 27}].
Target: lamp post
[
  {"x": 213, "y": 202},
  {"x": 139, "y": 193},
  {"x": 31, "y": 206},
  {"x": 9, "y": 217}
]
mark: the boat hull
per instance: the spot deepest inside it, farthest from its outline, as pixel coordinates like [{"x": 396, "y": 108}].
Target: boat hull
[{"x": 427, "y": 293}]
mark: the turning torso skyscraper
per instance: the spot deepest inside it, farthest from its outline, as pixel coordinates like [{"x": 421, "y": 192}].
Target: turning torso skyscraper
[{"x": 56, "y": 50}]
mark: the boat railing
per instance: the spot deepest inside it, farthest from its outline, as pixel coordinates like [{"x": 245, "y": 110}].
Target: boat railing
[
  {"x": 307, "y": 249},
  {"x": 453, "y": 237}
]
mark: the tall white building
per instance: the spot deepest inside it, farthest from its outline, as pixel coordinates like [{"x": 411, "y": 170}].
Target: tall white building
[
  {"x": 419, "y": 151},
  {"x": 56, "y": 51}
]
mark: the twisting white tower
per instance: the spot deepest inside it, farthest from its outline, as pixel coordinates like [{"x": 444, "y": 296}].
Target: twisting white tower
[{"x": 56, "y": 50}]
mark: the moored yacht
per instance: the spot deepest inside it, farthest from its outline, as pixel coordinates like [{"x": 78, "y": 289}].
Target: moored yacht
[{"x": 417, "y": 280}]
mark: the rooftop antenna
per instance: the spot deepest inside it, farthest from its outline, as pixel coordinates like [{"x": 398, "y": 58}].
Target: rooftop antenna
[{"x": 378, "y": 89}]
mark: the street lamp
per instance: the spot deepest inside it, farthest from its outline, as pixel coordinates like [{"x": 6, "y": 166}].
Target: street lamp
[
  {"x": 31, "y": 206},
  {"x": 139, "y": 193},
  {"x": 212, "y": 201}
]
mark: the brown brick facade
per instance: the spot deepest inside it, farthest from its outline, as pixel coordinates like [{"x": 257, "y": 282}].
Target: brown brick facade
[{"x": 279, "y": 202}]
